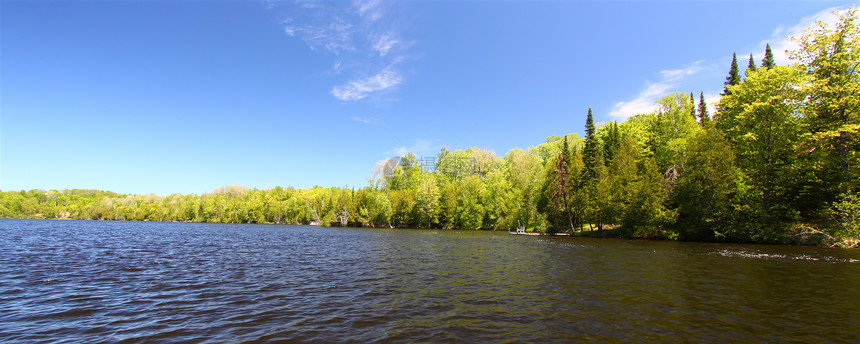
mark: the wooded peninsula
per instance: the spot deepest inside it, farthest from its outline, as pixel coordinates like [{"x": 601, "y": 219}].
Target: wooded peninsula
[{"x": 775, "y": 163}]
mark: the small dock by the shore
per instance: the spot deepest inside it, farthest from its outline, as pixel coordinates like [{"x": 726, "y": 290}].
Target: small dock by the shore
[{"x": 539, "y": 233}]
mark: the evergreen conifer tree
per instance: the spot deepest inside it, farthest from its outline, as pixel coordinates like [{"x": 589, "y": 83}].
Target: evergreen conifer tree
[
  {"x": 612, "y": 141},
  {"x": 592, "y": 158},
  {"x": 734, "y": 78},
  {"x": 768, "y": 58},
  {"x": 703, "y": 109},
  {"x": 592, "y": 153},
  {"x": 751, "y": 66}
]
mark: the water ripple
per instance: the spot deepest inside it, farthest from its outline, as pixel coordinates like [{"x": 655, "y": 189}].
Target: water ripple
[{"x": 125, "y": 282}]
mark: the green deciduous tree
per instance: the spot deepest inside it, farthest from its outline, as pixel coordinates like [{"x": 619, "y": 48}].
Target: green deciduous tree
[
  {"x": 705, "y": 192},
  {"x": 667, "y": 130},
  {"x": 831, "y": 56},
  {"x": 765, "y": 127},
  {"x": 427, "y": 198},
  {"x": 470, "y": 210}
]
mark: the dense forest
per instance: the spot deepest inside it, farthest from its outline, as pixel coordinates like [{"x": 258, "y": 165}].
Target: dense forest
[{"x": 774, "y": 163}]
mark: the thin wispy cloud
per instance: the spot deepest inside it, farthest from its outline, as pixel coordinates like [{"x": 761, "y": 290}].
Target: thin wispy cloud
[
  {"x": 361, "y": 88},
  {"x": 420, "y": 148},
  {"x": 672, "y": 80},
  {"x": 369, "y": 9},
  {"x": 781, "y": 42},
  {"x": 361, "y": 37},
  {"x": 361, "y": 120},
  {"x": 384, "y": 43},
  {"x": 644, "y": 102}
]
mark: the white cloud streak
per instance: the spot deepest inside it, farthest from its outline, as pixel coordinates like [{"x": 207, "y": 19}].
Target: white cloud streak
[
  {"x": 334, "y": 35},
  {"x": 384, "y": 43},
  {"x": 644, "y": 102},
  {"x": 361, "y": 120},
  {"x": 420, "y": 148},
  {"x": 362, "y": 35},
  {"x": 361, "y": 88},
  {"x": 369, "y": 9},
  {"x": 781, "y": 42},
  {"x": 711, "y": 99}
]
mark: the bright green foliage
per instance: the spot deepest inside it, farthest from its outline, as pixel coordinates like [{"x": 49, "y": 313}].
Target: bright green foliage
[
  {"x": 706, "y": 188},
  {"x": 377, "y": 209},
  {"x": 448, "y": 197},
  {"x": 650, "y": 210},
  {"x": 498, "y": 201},
  {"x": 765, "y": 124},
  {"x": 831, "y": 56},
  {"x": 667, "y": 130},
  {"x": 402, "y": 207},
  {"x": 548, "y": 149},
  {"x": 471, "y": 161},
  {"x": 427, "y": 198},
  {"x": 454, "y": 165},
  {"x": 522, "y": 173},
  {"x": 406, "y": 175},
  {"x": 768, "y": 61},
  {"x": 470, "y": 210},
  {"x": 611, "y": 140},
  {"x": 636, "y": 191},
  {"x": 779, "y": 153},
  {"x": 622, "y": 181}
]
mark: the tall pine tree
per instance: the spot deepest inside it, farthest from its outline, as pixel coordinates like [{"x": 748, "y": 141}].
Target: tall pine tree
[
  {"x": 734, "y": 77},
  {"x": 592, "y": 158},
  {"x": 768, "y": 58},
  {"x": 751, "y": 65},
  {"x": 703, "y": 109},
  {"x": 611, "y": 141},
  {"x": 592, "y": 153}
]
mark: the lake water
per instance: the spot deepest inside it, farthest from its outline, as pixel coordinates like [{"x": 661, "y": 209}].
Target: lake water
[{"x": 91, "y": 282}]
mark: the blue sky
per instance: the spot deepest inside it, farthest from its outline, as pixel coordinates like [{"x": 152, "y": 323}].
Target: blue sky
[{"x": 186, "y": 96}]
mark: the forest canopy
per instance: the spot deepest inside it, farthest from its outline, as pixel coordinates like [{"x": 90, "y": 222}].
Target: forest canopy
[{"x": 774, "y": 163}]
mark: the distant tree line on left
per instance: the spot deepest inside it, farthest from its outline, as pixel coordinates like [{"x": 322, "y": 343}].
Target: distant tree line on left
[{"x": 775, "y": 162}]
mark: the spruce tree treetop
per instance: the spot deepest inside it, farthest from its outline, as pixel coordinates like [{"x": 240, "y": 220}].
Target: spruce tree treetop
[
  {"x": 734, "y": 77},
  {"x": 611, "y": 141},
  {"x": 589, "y": 126},
  {"x": 565, "y": 151},
  {"x": 592, "y": 153},
  {"x": 751, "y": 66},
  {"x": 768, "y": 58},
  {"x": 703, "y": 109}
]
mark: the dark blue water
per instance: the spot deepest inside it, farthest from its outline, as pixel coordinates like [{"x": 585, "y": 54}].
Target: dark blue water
[{"x": 93, "y": 282}]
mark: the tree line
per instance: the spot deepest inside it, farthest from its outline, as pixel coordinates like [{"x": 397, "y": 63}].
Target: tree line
[{"x": 774, "y": 163}]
